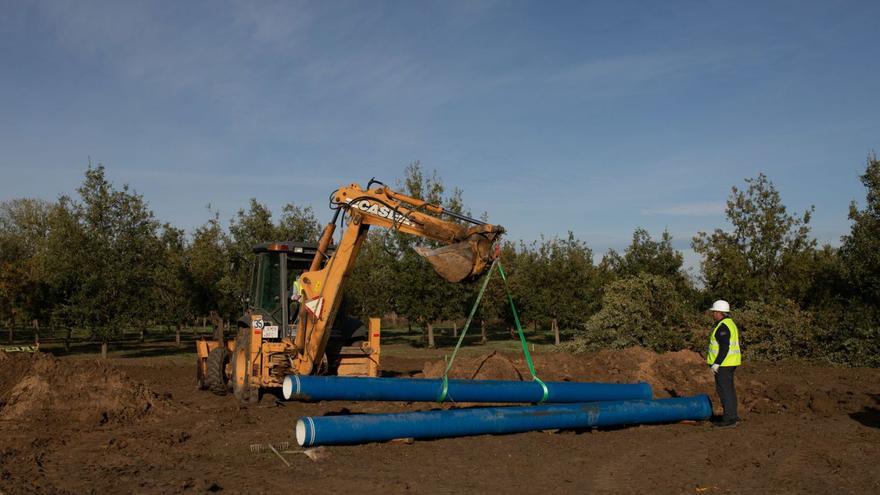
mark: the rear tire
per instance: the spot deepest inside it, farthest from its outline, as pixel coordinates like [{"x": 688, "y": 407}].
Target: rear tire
[
  {"x": 216, "y": 380},
  {"x": 242, "y": 387}
]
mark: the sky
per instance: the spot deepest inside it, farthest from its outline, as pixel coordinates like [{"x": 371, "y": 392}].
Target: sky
[{"x": 583, "y": 116}]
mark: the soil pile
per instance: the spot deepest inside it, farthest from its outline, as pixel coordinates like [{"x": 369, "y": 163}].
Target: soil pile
[
  {"x": 671, "y": 374},
  {"x": 39, "y": 388},
  {"x": 490, "y": 366},
  {"x": 812, "y": 396}
]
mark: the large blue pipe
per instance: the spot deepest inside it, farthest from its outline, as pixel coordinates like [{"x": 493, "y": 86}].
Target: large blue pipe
[
  {"x": 363, "y": 428},
  {"x": 429, "y": 390}
]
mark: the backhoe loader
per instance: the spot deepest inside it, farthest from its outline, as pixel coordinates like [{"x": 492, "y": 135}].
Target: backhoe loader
[{"x": 291, "y": 324}]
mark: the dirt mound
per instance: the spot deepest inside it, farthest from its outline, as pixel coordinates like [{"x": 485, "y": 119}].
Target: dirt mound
[
  {"x": 767, "y": 397},
  {"x": 41, "y": 388},
  {"x": 670, "y": 374},
  {"x": 491, "y": 366}
]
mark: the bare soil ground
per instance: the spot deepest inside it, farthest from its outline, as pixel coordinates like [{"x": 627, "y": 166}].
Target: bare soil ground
[{"x": 79, "y": 425}]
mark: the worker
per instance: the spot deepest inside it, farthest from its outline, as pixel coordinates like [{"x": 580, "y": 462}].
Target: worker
[
  {"x": 723, "y": 358},
  {"x": 296, "y": 293}
]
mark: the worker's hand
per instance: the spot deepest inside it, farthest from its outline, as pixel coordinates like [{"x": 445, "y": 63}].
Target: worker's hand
[{"x": 715, "y": 368}]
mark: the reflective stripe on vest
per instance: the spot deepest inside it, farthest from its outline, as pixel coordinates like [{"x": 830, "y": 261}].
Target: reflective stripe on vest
[{"x": 734, "y": 358}]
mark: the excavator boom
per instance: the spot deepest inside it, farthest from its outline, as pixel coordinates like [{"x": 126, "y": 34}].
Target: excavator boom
[{"x": 467, "y": 252}]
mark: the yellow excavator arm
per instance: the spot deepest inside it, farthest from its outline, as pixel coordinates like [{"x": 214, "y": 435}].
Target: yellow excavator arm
[{"x": 467, "y": 252}]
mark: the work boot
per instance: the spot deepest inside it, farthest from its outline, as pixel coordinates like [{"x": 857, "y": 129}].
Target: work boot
[{"x": 726, "y": 423}]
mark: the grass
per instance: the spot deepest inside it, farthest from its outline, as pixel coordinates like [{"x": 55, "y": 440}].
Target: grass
[
  {"x": 399, "y": 342},
  {"x": 396, "y": 342}
]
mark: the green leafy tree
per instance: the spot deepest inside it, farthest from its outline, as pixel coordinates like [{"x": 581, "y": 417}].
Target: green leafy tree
[
  {"x": 370, "y": 289},
  {"x": 111, "y": 234},
  {"x": 860, "y": 249},
  {"x": 420, "y": 294},
  {"x": 298, "y": 224},
  {"x": 57, "y": 267},
  {"x": 24, "y": 228},
  {"x": 775, "y": 330},
  {"x": 215, "y": 288},
  {"x": 644, "y": 310},
  {"x": 172, "y": 288},
  {"x": 856, "y": 339},
  {"x": 645, "y": 255},
  {"x": 765, "y": 254},
  {"x": 559, "y": 286}
]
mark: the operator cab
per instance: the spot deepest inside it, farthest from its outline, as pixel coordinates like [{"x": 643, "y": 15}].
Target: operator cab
[{"x": 277, "y": 265}]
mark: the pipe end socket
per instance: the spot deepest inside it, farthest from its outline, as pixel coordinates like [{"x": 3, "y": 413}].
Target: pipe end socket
[
  {"x": 287, "y": 387},
  {"x": 305, "y": 432}
]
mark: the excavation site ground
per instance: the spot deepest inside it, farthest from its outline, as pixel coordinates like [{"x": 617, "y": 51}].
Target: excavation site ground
[{"x": 136, "y": 422}]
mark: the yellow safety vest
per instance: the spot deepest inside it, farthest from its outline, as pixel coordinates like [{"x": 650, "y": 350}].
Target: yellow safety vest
[{"x": 734, "y": 358}]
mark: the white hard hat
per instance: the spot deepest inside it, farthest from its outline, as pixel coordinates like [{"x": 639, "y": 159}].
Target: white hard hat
[{"x": 720, "y": 305}]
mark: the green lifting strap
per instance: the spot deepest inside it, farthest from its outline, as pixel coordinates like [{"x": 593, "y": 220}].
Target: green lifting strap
[
  {"x": 522, "y": 336},
  {"x": 445, "y": 388}
]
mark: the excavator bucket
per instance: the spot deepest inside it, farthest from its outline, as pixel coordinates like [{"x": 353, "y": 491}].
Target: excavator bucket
[{"x": 454, "y": 262}]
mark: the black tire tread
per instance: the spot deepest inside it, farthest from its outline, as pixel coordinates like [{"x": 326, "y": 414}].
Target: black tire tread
[{"x": 216, "y": 379}]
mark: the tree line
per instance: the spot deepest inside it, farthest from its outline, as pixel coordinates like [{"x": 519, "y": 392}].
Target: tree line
[{"x": 101, "y": 261}]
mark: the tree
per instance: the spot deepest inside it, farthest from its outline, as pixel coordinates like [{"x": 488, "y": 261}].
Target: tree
[
  {"x": 420, "y": 294},
  {"x": 370, "y": 289},
  {"x": 857, "y": 336},
  {"x": 24, "y": 227},
  {"x": 172, "y": 289},
  {"x": 298, "y": 224},
  {"x": 644, "y": 310},
  {"x": 111, "y": 235},
  {"x": 777, "y": 330},
  {"x": 645, "y": 255},
  {"x": 765, "y": 254},
  {"x": 559, "y": 285},
  {"x": 214, "y": 286},
  {"x": 860, "y": 249},
  {"x": 58, "y": 269}
]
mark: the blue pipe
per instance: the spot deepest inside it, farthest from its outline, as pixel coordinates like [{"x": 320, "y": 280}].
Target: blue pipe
[
  {"x": 363, "y": 428},
  {"x": 429, "y": 390}
]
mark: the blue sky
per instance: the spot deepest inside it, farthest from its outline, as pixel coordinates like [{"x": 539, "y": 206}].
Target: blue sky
[{"x": 594, "y": 117}]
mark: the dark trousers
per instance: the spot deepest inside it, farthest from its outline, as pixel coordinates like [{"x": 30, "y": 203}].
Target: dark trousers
[{"x": 726, "y": 391}]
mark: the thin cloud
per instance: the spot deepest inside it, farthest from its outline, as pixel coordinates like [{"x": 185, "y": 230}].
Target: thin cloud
[{"x": 700, "y": 209}]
